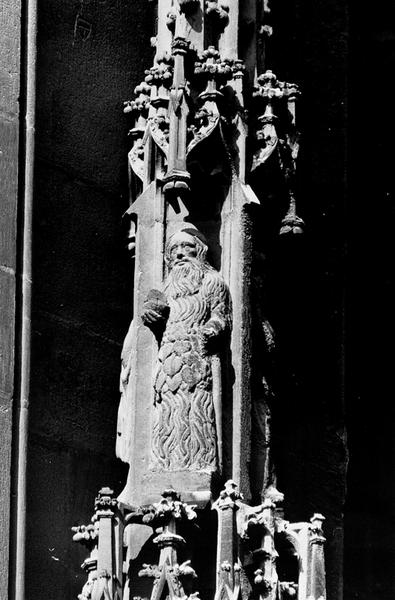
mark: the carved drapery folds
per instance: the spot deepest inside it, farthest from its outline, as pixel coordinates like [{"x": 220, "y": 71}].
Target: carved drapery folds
[
  {"x": 187, "y": 397},
  {"x": 195, "y": 315}
]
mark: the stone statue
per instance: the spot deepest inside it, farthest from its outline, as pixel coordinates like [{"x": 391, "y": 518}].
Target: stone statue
[{"x": 191, "y": 318}]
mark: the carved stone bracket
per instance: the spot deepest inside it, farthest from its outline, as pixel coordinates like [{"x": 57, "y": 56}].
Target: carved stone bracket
[
  {"x": 170, "y": 579},
  {"x": 228, "y": 566},
  {"x": 139, "y": 110},
  {"x": 214, "y": 73},
  {"x": 169, "y": 508},
  {"x": 87, "y": 535},
  {"x": 249, "y": 551},
  {"x": 260, "y": 523},
  {"x": 278, "y": 135},
  {"x": 165, "y": 110},
  {"x": 316, "y": 585},
  {"x": 246, "y": 544},
  {"x": 150, "y": 111},
  {"x": 104, "y": 540}
]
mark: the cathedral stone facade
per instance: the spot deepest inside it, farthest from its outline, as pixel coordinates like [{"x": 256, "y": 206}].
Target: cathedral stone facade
[{"x": 172, "y": 239}]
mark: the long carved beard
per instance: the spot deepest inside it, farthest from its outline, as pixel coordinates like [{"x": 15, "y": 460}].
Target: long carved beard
[{"x": 185, "y": 279}]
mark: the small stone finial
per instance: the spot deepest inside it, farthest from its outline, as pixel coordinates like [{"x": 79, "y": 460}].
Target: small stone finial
[
  {"x": 171, "y": 494},
  {"x": 269, "y": 87},
  {"x": 185, "y": 570},
  {"x": 268, "y": 78},
  {"x": 229, "y": 496},
  {"x": 171, "y": 20},
  {"x": 272, "y": 493},
  {"x": 317, "y": 521},
  {"x": 105, "y": 495},
  {"x": 231, "y": 490},
  {"x": 86, "y": 535},
  {"x": 226, "y": 566},
  {"x": 169, "y": 507},
  {"x": 212, "y": 67},
  {"x": 105, "y": 503},
  {"x": 291, "y": 223}
]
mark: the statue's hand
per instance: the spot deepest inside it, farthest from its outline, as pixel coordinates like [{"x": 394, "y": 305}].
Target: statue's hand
[
  {"x": 150, "y": 316},
  {"x": 210, "y": 331},
  {"x": 155, "y": 308}
]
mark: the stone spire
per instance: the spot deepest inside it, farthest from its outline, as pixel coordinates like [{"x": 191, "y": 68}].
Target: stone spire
[{"x": 187, "y": 398}]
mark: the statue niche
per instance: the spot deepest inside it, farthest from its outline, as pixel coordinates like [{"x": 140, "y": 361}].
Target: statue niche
[{"x": 191, "y": 318}]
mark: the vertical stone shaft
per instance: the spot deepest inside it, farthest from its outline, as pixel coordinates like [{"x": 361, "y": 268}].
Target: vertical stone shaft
[
  {"x": 226, "y": 540},
  {"x": 237, "y": 84},
  {"x": 109, "y": 552},
  {"x": 228, "y": 41},
  {"x": 249, "y": 53},
  {"x": 235, "y": 241},
  {"x": 269, "y": 553},
  {"x": 168, "y": 552},
  {"x": 236, "y": 269},
  {"x": 163, "y": 40},
  {"x": 11, "y": 27},
  {"x": 301, "y": 534},
  {"x": 226, "y": 508},
  {"x": 197, "y": 27},
  {"x": 178, "y": 109},
  {"x": 316, "y": 589},
  {"x": 149, "y": 209}
]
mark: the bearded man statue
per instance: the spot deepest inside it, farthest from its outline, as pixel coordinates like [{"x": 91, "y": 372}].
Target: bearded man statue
[{"x": 192, "y": 318}]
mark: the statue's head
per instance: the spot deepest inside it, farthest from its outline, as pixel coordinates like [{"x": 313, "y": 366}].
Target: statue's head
[
  {"x": 186, "y": 246},
  {"x": 185, "y": 256}
]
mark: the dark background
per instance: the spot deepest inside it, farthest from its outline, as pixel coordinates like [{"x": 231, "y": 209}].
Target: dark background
[
  {"x": 370, "y": 324},
  {"x": 331, "y": 292},
  {"x": 82, "y": 275}
]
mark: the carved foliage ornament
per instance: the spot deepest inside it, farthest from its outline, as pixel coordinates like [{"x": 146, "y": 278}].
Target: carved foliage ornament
[
  {"x": 279, "y": 136},
  {"x": 164, "y": 107}
]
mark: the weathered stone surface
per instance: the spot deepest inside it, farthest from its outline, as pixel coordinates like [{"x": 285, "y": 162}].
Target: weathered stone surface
[
  {"x": 184, "y": 156},
  {"x": 79, "y": 168},
  {"x": 10, "y": 36},
  {"x": 81, "y": 301},
  {"x": 192, "y": 320}
]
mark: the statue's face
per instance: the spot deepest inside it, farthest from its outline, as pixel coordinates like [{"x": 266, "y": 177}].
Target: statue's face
[{"x": 183, "y": 248}]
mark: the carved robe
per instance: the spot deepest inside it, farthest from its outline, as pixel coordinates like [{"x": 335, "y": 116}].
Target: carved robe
[{"x": 187, "y": 381}]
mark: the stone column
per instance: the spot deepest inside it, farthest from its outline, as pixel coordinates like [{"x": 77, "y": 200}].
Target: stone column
[
  {"x": 316, "y": 588},
  {"x": 11, "y": 99},
  {"x": 110, "y": 547},
  {"x": 227, "y": 564}
]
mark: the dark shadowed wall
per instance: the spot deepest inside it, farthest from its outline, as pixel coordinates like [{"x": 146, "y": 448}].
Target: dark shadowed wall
[
  {"x": 306, "y": 277},
  {"x": 370, "y": 506},
  {"x": 91, "y": 54}
]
